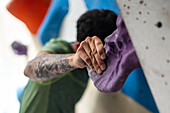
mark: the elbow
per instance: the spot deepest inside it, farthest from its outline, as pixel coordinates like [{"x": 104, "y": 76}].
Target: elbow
[{"x": 27, "y": 70}]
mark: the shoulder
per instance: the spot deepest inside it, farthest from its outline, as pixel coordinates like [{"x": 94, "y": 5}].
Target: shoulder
[{"x": 58, "y": 46}]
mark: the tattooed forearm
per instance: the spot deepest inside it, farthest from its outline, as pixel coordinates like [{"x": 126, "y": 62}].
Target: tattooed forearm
[{"x": 48, "y": 66}]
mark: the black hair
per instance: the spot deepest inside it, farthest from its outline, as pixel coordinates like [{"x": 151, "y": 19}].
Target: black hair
[{"x": 96, "y": 22}]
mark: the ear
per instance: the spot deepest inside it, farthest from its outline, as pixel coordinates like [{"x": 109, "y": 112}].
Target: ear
[{"x": 75, "y": 46}]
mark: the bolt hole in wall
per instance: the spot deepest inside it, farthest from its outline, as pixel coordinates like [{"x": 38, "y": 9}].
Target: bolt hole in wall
[
  {"x": 162, "y": 75},
  {"x": 163, "y": 38},
  {"x": 158, "y": 24},
  {"x": 147, "y": 47},
  {"x": 142, "y": 2}
]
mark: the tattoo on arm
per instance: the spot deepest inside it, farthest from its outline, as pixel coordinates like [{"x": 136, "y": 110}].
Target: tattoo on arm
[{"x": 48, "y": 66}]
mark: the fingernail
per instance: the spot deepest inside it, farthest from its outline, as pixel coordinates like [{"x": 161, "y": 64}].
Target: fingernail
[
  {"x": 99, "y": 71},
  {"x": 103, "y": 56},
  {"x": 103, "y": 67}
]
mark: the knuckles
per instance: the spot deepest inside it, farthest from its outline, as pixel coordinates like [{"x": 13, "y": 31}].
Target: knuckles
[
  {"x": 79, "y": 50},
  {"x": 88, "y": 39},
  {"x": 87, "y": 59}
]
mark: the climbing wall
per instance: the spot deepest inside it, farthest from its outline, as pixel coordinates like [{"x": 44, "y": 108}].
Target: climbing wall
[{"x": 148, "y": 24}]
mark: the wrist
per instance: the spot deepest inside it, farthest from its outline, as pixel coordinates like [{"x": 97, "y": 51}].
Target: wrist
[{"x": 71, "y": 61}]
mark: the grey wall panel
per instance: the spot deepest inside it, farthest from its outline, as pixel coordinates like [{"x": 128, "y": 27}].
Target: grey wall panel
[{"x": 148, "y": 23}]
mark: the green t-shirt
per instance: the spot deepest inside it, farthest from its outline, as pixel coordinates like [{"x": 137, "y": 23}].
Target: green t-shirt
[{"x": 58, "y": 95}]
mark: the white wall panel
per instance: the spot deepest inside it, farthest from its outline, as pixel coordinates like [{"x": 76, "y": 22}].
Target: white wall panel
[{"x": 148, "y": 23}]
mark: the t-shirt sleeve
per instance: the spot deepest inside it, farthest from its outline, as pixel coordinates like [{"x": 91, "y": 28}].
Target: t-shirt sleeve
[
  {"x": 121, "y": 60},
  {"x": 56, "y": 46}
]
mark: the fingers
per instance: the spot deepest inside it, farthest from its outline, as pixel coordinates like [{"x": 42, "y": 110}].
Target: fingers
[
  {"x": 91, "y": 52},
  {"x": 86, "y": 48},
  {"x": 96, "y": 61},
  {"x": 99, "y": 47},
  {"x": 100, "y": 62},
  {"x": 97, "y": 53},
  {"x": 84, "y": 52}
]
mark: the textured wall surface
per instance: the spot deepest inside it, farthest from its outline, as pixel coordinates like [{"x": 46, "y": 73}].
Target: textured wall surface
[{"x": 148, "y": 23}]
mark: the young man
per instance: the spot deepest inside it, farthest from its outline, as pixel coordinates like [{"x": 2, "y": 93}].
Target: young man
[{"x": 57, "y": 75}]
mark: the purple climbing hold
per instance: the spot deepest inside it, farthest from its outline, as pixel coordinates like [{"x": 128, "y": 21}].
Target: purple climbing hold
[
  {"x": 19, "y": 48},
  {"x": 121, "y": 60}
]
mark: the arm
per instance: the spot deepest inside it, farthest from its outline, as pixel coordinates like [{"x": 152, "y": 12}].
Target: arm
[{"x": 48, "y": 66}]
